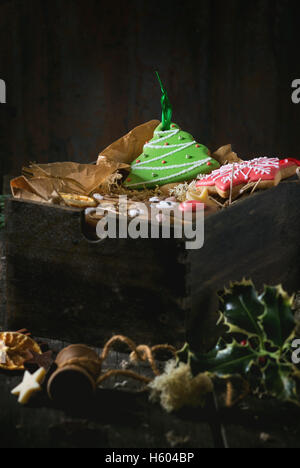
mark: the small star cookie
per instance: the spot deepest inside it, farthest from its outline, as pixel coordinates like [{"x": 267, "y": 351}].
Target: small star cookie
[{"x": 29, "y": 385}]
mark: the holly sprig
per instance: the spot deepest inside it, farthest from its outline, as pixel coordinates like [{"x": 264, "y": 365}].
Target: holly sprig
[{"x": 257, "y": 345}]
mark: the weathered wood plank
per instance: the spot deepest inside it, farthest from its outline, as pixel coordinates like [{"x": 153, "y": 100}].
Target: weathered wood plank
[
  {"x": 261, "y": 424},
  {"x": 115, "y": 418},
  {"x": 60, "y": 285},
  {"x": 228, "y": 69}
]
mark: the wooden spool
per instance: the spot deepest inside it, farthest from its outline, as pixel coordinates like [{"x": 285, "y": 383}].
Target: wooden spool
[{"x": 75, "y": 379}]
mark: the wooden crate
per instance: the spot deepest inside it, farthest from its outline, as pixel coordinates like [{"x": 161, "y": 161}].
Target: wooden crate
[{"x": 60, "y": 285}]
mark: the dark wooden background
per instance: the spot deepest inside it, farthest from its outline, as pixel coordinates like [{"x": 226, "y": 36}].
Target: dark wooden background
[{"x": 80, "y": 73}]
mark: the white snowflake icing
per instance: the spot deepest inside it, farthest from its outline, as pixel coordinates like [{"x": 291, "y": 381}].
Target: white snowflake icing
[{"x": 262, "y": 166}]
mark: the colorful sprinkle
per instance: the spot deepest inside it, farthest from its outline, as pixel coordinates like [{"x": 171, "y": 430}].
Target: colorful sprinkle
[{"x": 164, "y": 162}]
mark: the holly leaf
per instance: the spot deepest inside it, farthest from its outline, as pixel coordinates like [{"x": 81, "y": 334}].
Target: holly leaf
[
  {"x": 279, "y": 381},
  {"x": 234, "y": 359},
  {"x": 269, "y": 319},
  {"x": 241, "y": 309},
  {"x": 278, "y": 320}
]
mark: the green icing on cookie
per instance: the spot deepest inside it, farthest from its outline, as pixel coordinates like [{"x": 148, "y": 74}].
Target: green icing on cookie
[{"x": 171, "y": 156}]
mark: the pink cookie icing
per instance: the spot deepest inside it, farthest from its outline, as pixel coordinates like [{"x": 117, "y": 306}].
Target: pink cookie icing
[{"x": 245, "y": 172}]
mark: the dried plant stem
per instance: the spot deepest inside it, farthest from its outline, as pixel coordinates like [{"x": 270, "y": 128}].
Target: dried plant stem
[
  {"x": 255, "y": 186},
  {"x": 216, "y": 201}
]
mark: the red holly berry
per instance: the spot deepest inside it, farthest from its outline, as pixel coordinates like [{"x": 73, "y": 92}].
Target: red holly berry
[{"x": 244, "y": 343}]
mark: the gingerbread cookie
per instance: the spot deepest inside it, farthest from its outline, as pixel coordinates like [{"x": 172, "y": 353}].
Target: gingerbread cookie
[
  {"x": 171, "y": 156},
  {"x": 231, "y": 178}
]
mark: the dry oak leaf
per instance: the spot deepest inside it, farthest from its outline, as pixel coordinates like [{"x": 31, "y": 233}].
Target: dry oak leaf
[{"x": 14, "y": 349}]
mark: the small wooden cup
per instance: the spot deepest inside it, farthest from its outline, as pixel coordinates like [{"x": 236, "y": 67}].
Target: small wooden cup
[{"x": 75, "y": 379}]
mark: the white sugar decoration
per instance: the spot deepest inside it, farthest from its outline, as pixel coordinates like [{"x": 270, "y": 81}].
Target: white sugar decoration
[
  {"x": 98, "y": 197},
  {"x": 154, "y": 200},
  {"x": 190, "y": 168},
  {"x": 135, "y": 212},
  {"x": 166, "y": 205},
  {"x": 261, "y": 166},
  {"x": 155, "y": 145},
  {"x": 174, "y": 166}
]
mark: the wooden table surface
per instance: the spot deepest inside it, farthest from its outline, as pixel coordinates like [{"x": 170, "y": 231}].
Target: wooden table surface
[{"x": 121, "y": 416}]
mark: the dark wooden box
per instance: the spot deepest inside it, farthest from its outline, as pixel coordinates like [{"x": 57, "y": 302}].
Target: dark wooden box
[{"x": 61, "y": 285}]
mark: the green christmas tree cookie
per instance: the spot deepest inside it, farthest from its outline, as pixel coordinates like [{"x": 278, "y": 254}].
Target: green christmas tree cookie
[{"x": 171, "y": 156}]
